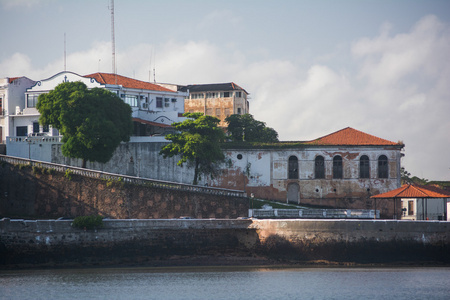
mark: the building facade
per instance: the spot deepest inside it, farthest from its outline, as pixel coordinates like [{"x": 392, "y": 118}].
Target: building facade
[
  {"x": 339, "y": 170},
  {"x": 12, "y": 104},
  {"x": 219, "y": 100}
]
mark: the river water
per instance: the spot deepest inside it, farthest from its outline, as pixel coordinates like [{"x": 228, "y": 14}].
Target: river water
[{"x": 227, "y": 283}]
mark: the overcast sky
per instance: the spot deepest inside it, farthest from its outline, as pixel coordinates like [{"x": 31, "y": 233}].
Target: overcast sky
[{"x": 311, "y": 67}]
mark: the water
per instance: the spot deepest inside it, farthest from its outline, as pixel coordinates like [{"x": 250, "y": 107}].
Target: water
[{"x": 227, "y": 283}]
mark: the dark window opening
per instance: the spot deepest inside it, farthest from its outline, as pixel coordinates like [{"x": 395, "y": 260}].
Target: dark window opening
[
  {"x": 319, "y": 169},
  {"x": 364, "y": 167},
  {"x": 383, "y": 169},
  {"x": 21, "y": 131},
  {"x": 411, "y": 208},
  {"x": 337, "y": 167},
  {"x": 35, "y": 127},
  {"x": 293, "y": 167},
  {"x": 159, "y": 102}
]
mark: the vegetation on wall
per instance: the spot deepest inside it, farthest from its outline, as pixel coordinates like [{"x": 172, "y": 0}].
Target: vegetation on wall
[
  {"x": 88, "y": 222},
  {"x": 92, "y": 122}
]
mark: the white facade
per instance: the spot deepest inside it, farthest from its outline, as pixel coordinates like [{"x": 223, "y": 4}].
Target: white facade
[
  {"x": 154, "y": 108},
  {"x": 425, "y": 209},
  {"x": 12, "y": 103}
]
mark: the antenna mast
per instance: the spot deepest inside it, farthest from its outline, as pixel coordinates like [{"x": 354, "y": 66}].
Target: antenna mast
[
  {"x": 64, "y": 51},
  {"x": 113, "y": 42}
]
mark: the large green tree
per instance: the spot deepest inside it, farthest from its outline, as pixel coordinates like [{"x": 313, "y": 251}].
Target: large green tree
[
  {"x": 92, "y": 122},
  {"x": 245, "y": 128},
  {"x": 197, "y": 141}
]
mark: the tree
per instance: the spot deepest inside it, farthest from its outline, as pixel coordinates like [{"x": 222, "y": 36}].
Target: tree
[
  {"x": 92, "y": 122},
  {"x": 198, "y": 143},
  {"x": 246, "y": 128},
  {"x": 407, "y": 179}
]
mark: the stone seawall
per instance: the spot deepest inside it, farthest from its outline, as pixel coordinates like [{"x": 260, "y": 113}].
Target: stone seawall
[{"x": 156, "y": 242}]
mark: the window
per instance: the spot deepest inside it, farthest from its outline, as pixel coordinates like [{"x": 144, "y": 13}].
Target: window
[
  {"x": 35, "y": 127},
  {"x": 337, "y": 167},
  {"x": 32, "y": 100},
  {"x": 364, "y": 167},
  {"x": 159, "y": 102},
  {"x": 45, "y": 128},
  {"x": 383, "y": 169},
  {"x": 212, "y": 95},
  {"x": 1, "y": 106},
  {"x": 319, "y": 167},
  {"x": 227, "y": 112},
  {"x": 239, "y": 110},
  {"x": 131, "y": 100},
  {"x": 293, "y": 167},
  {"x": 226, "y": 94},
  {"x": 21, "y": 131},
  {"x": 411, "y": 208},
  {"x": 209, "y": 111},
  {"x": 217, "y": 111},
  {"x": 238, "y": 94}
]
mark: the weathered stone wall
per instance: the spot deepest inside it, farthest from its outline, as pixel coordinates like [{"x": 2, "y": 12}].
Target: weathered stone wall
[
  {"x": 365, "y": 241},
  {"x": 55, "y": 243},
  {"x": 23, "y": 193}
]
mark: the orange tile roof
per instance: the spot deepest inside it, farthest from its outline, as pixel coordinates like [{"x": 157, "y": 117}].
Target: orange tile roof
[
  {"x": 351, "y": 137},
  {"x": 151, "y": 123},
  {"x": 414, "y": 191},
  {"x": 108, "y": 78},
  {"x": 11, "y": 80}
]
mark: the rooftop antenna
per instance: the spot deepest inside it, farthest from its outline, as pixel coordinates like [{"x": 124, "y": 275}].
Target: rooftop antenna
[
  {"x": 113, "y": 42},
  {"x": 154, "y": 67},
  {"x": 64, "y": 51}
]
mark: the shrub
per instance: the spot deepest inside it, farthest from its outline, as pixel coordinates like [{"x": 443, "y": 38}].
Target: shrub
[
  {"x": 88, "y": 222},
  {"x": 68, "y": 174}
]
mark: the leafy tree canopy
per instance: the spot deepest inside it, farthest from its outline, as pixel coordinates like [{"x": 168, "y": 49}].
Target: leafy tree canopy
[
  {"x": 198, "y": 143},
  {"x": 407, "y": 179},
  {"x": 92, "y": 122},
  {"x": 245, "y": 128}
]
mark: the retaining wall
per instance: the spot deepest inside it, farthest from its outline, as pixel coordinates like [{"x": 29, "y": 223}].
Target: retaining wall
[{"x": 55, "y": 243}]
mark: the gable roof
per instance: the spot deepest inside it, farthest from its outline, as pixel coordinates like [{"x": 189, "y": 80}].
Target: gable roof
[
  {"x": 230, "y": 86},
  {"x": 351, "y": 137},
  {"x": 415, "y": 191},
  {"x": 108, "y": 78}
]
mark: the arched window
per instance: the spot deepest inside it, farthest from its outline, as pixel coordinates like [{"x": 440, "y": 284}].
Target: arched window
[
  {"x": 383, "y": 167},
  {"x": 364, "y": 167},
  {"x": 293, "y": 167},
  {"x": 337, "y": 167},
  {"x": 319, "y": 170}
]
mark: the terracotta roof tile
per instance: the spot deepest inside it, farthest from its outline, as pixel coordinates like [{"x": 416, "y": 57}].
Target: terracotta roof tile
[
  {"x": 11, "y": 80},
  {"x": 414, "y": 191},
  {"x": 108, "y": 78},
  {"x": 350, "y": 136}
]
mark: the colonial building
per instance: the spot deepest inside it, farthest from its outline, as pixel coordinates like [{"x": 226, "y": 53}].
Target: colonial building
[
  {"x": 342, "y": 170},
  {"x": 12, "y": 103},
  {"x": 219, "y": 100}
]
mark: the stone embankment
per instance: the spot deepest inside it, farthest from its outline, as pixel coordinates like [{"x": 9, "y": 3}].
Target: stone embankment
[{"x": 55, "y": 243}]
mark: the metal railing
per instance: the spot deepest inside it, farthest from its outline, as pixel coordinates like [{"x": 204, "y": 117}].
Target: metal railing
[
  {"x": 314, "y": 213},
  {"x": 34, "y": 139},
  {"x": 124, "y": 178}
]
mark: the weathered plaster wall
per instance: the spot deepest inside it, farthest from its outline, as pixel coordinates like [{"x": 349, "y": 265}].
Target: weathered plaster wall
[
  {"x": 53, "y": 242},
  {"x": 23, "y": 193},
  {"x": 265, "y": 174}
]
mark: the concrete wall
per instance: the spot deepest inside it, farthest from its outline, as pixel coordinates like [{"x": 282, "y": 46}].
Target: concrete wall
[
  {"x": 55, "y": 243},
  {"x": 27, "y": 193}
]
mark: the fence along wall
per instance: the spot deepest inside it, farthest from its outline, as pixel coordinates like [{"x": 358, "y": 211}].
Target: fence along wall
[{"x": 27, "y": 191}]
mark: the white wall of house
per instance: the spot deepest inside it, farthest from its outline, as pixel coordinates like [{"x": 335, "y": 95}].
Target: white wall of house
[
  {"x": 424, "y": 209},
  {"x": 13, "y": 103}
]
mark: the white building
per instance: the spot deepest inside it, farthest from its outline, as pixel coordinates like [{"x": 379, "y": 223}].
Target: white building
[
  {"x": 154, "y": 109},
  {"x": 12, "y": 103}
]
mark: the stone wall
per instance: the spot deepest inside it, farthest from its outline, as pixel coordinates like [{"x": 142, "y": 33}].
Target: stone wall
[
  {"x": 28, "y": 193},
  {"x": 155, "y": 242}
]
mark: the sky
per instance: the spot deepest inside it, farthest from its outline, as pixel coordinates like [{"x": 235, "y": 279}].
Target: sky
[{"x": 311, "y": 67}]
